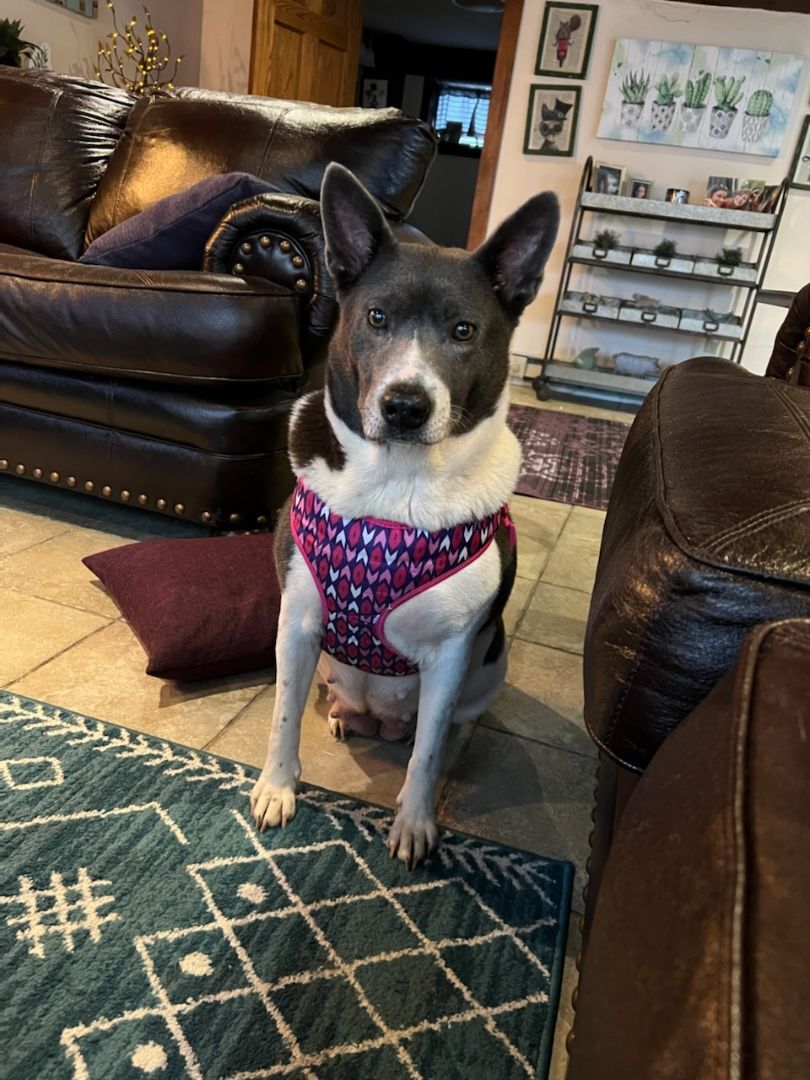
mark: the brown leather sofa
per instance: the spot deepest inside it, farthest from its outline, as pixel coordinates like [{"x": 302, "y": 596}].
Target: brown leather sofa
[
  {"x": 170, "y": 389},
  {"x": 701, "y": 826}
]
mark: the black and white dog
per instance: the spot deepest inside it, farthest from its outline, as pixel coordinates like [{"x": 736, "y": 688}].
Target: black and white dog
[{"x": 396, "y": 554}]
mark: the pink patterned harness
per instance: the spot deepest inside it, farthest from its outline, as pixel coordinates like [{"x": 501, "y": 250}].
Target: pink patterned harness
[{"x": 365, "y": 568}]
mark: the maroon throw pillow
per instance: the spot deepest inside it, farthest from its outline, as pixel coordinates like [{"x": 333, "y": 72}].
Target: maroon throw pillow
[{"x": 201, "y": 608}]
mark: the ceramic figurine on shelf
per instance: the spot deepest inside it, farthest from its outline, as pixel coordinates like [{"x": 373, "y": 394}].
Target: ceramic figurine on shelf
[
  {"x": 642, "y": 367},
  {"x": 587, "y": 358}
]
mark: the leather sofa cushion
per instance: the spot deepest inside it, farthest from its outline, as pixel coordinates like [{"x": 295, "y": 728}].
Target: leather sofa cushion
[
  {"x": 707, "y": 535},
  {"x": 173, "y": 142},
  {"x": 56, "y": 136},
  {"x": 178, "y": 326},
  {"x": 226, "y": 419},
  {"x": 698, "y": 963}
]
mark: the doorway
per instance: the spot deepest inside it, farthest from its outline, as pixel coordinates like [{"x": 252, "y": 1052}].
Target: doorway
[{"x": 437, "y": 60}]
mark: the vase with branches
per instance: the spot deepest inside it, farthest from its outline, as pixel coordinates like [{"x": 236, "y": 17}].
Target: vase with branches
[{"x": 142, "y": 64}]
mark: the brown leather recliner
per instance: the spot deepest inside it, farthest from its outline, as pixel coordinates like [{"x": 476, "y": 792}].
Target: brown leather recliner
[
  {"x": 706, "y": 538},
  {"x": 171, "y": 389}
]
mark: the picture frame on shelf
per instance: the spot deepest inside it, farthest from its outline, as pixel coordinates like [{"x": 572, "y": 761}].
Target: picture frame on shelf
[
  {"x": 608, "y": 179},
  {"x": 640, "y": 189},
  {"x": 799, "y": 175},
  {"x": 566, "y": 39},
  {"x": 551, "y": 120}
]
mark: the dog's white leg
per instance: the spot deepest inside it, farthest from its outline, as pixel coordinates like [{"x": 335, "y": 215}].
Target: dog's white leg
[
  {"x": 272, "y": 800},
  {"x": 414, "y": 834}
]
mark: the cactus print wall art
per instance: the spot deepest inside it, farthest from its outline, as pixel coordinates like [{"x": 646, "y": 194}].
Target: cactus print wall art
[{"x": 714, "y": 97}]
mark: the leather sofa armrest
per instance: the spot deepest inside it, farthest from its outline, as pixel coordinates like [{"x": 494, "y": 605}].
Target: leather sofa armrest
[{"x": 279, "y": 237}]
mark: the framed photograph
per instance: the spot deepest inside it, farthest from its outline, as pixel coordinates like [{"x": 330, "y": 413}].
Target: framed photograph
[
  {"x": 800, "y": 169},
  {"x": 719, "y": 190},
  {"x": 375, "y": 93},
  {"x": 551, "y": 122},
  {"x": 607, "y": 179},
  {"x": 565, "y": 40},
  {"x": 640, "y": 189},
  {"x": 88, "y": 8},
  {"x": 756, "y": 196}
]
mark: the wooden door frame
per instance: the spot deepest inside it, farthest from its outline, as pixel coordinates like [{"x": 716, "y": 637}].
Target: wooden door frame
[{"x": 488, "y": 164}]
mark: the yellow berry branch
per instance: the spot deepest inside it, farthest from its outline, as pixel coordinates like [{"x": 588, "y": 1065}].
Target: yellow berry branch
[{"x": 136, "y": 63}]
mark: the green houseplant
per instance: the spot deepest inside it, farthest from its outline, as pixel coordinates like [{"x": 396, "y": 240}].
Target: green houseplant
[
  {"x": 11, "y": 42},
  {"x": 693, "y": 107},
  {"x": 757, "y": 111},
  {"x": 634, "y": 88},
  {"x": 728, "y": 92},
  {"x": 667, "y": 89}
]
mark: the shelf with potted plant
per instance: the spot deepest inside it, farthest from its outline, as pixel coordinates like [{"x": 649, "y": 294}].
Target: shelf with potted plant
[
  {"x": 726, "y": 322},
  {"x": 727, "y": 267}
]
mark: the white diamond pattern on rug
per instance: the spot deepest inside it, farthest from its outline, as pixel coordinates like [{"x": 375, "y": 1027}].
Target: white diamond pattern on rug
[{"x": 304, "y": 953}]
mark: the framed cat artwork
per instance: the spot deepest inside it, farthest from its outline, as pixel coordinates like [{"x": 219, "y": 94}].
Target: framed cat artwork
[
  {"x": 566, "y": 38},
  {"x": 551, "y": 122}
]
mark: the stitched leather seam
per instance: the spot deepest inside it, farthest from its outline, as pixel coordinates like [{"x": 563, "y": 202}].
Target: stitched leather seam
[
  {"x": 38, "y": 169},
  {"x": 271, "y": 136},
  {"x": 141, "y": 437},
  {"x": 784, "y": 394},
  {"x": 167, "y": 378},
  {"x": 125, "y": 170},
  {"x": 149, "y": 284},
  {"x": 749, "y": 527},
  {"x": 754, "y": 519}
]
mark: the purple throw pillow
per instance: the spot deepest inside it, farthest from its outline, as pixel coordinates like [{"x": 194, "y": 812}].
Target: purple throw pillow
[
  {"x": 172, "y": 234},
  {"x": 200, "y": 608}
]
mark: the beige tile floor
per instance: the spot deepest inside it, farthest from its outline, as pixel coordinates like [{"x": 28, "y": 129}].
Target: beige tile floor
[{"x": 523, "y": 775}]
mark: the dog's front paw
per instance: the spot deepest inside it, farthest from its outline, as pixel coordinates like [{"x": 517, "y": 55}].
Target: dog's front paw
[
  {"x": 412, "y": 839},
  {"x": 271, "y": 805}
]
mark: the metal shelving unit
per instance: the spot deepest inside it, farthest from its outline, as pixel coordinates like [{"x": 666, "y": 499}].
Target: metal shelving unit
[{"x": 604, "y": 381}]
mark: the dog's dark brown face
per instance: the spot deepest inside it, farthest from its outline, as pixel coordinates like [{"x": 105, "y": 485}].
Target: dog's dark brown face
[{"x": 421, "y": 348}]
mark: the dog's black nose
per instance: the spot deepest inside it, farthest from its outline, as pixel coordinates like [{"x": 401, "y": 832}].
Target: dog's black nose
[{"x": 406, "y": 406}]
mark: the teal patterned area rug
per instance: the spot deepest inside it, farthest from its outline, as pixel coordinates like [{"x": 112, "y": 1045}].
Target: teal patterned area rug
[{"x": 148, "y": 930}]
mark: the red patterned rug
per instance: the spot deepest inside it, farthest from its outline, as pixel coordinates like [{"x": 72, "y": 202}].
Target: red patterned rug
[{"x": 567, "y": 458}]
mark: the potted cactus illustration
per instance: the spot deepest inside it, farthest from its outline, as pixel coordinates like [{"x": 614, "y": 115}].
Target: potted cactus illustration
[
  {"x": 634, "y": 89},
  {"x": 757, "y": 111},
  {"x": 727, "y": 93},
  {"x": 663, "y": 108},
  {"x": 694, "y": 101}
]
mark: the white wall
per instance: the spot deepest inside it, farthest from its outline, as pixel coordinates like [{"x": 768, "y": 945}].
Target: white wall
[
  {"x": 74, "y": 39},
  {"x": 519, "y": 176},
  {"x": 227, "y": 29}
]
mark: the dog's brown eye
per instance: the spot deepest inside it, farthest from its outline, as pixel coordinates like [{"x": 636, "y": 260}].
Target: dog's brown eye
[
  {"x": 377, "y": 318},
  {"x": 464, "y": 331}
]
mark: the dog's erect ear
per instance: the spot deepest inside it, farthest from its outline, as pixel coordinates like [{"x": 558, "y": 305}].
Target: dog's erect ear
[
  {"x": 353, "y": 225},
  {"x": 514, "y": 256}
]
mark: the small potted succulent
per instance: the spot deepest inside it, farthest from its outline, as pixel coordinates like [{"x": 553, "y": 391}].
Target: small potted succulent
[
  {"x": 757, "y": 111},
  {"x": 727, "y": 263},
  {"x": 662, "y": 113},
  {"x": 634, "y": 88},
  {"x": 693, "y": 106},
  {"x": 728, "y": 92},
  {"x": 605, "y": 246},
  {"x": 664, "y": 256},
  {"x": 11, "y": 44}
]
